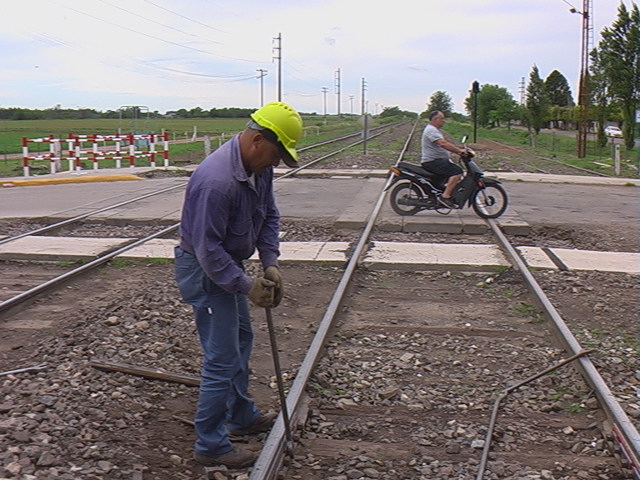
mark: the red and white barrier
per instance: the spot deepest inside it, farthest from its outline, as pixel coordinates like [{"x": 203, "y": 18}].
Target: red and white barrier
[{"x": 87, "y": 147}]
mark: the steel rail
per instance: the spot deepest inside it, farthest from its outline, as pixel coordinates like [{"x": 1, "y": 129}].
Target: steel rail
[
  {"x": 54, "y": 282},
  {"x": 103, "y": 258},
  {"x": 629, "y": 436},
  {"x": 290, "y": 173},
  {"x": 344, "y": 137},
  {"x": 272, "y": 455}
]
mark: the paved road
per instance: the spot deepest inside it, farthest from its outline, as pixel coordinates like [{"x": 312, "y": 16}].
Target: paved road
[{"x": 535, "y": 203}]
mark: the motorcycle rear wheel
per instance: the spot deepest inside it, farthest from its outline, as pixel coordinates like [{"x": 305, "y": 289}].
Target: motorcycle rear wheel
[
  {"x": 490, "y": 202},
  {"x": 405, "y": 191}
]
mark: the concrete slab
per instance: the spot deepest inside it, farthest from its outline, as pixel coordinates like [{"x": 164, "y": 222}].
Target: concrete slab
[
  {"x": 57, "y": 248},
  {"x": 474, "y": 225},
  {"x": 536, "y": 258},
  {"x": 156, "y": 248},
  {"x": 623, "y": 262},
  {"x": 382, "y": 255},
  {"x": 333, "y": 252},
  {"x": 438, "y": 256}
]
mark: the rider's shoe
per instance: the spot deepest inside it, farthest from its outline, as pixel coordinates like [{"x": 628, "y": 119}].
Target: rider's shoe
[{"x": 447, "y": 202}]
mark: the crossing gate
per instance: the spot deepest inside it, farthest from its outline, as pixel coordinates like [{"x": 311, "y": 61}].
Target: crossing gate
[{"x": 96, "y": 148}]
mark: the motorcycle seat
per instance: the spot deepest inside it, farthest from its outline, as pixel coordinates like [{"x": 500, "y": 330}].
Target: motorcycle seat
[{"x": 417, "y": 169}]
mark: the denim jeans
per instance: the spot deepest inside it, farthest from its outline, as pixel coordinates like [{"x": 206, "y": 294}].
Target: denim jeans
[{"x": 226, "y": 339}]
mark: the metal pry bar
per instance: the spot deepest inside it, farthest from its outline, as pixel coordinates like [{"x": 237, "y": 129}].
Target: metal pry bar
[{"x": 26, "y": 369}]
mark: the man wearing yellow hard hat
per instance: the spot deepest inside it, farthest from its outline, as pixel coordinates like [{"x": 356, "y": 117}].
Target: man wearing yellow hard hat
[{"x": 229, "y": 212}]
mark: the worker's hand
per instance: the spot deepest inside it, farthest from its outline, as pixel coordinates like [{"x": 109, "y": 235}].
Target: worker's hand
[
  {"x": 261, "y": 293},
  {"x": 273, "y": 273},
  {"x": 468, "y": 153}
]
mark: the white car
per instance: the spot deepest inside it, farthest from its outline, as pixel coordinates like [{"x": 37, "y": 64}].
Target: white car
[{"x": 612, "y": 131}]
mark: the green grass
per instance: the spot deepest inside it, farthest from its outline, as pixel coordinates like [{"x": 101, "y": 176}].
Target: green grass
[
  {"x": 122, "y": 262},
  {"x": 219, "y": 129},
  {"x": 527, "y": 310},
  {"x": 552, "y": 146}
]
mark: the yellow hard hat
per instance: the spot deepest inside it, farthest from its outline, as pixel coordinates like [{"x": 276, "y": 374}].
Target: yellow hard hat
[{"x": 285, "y": 122}]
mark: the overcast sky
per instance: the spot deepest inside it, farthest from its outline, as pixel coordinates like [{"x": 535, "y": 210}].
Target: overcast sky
[{"x": 170, "y": 54}]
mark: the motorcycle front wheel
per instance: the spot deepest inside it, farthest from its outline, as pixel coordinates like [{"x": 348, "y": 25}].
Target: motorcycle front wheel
[
  {"x": 490, "y": 201},
  {"x": 404, "y": 199}
]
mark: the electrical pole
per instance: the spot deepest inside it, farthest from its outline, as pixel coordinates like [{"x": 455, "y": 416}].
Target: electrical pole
[
  {"x": 338, "y": 89},
  {"x": 278, "y": 57},
  {"x": 583, "y": 91},
  {"x": 351, "y": 103},
  {"x": 521, "y": 90},
  {"x": 261, "y": 76},
  {"x": 364, "y": 116},
  {"x": 324, "y": 94}
]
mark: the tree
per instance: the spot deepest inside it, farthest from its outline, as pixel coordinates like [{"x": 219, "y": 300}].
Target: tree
[
  {"x": 619, "y": 63},
  {"x": 558, "y": 90},
  {"x": 390, "y": 112},
  {"x": 495, "y": 104},
  {"x": 537, "y": 102},
  {"x": 600, "y": 97},
  {"x": 440, "y": 101}
]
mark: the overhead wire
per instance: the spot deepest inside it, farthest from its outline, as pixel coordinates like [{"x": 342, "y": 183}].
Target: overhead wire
[
  {"x": 186, "y": 18},
  {"x": 158, "y": 38},
  {"x": 157, "y": 23}
]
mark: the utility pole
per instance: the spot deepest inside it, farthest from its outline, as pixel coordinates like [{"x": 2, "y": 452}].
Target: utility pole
[
  {"x": 364, "y": 116},
  {"x": 351, "y": 103},
  {"x": 337, "y": 82},
  {"x": 583, "y": 91},
  {"x": 324, "y": 94},
  {"x": 278, "y": 57},
  {"x": 262, "y": 74},
  {"x": 521, "y": 90}
]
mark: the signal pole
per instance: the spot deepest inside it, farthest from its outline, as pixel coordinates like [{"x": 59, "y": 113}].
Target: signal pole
[{"x": 475, "y": 88}]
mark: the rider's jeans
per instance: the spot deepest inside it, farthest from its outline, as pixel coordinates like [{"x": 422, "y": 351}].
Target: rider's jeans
[{"x": 226, "y": 338}]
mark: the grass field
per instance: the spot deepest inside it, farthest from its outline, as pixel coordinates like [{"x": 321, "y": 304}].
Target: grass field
[
  {"x": 558, "y": 145},
  {"x": 318, "y": 128},
  {"x": 219, "y": 129}
]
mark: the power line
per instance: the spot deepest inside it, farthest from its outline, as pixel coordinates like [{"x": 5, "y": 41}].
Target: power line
[
  {"x": 157, "y": 38},
  {"x": 149, "y": 64},
  {"x": 157, "y": 23},
  {"x": 186, "y": 18}
]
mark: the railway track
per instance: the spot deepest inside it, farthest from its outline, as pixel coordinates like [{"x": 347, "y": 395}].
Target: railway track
[
  {"x": 32, "y": 282},
  {"x": 409, "y": 379},
  {"x": 375, "y": 350}
]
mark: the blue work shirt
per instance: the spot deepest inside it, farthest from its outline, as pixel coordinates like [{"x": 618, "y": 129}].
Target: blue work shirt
[{"x": 225, "y": 217}]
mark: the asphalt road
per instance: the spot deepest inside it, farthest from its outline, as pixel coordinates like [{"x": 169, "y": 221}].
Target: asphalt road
[{"x": 536, "y": 203}]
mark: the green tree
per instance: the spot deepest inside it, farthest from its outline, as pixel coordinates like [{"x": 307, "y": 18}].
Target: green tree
[
  {"x": 390, "y": 112},
  {"x": 558, "y": 90},
  {"x": 619, "y": 64},
  {"x": 600, "y": 96},
  {"x": 495, "y": 105},
  {"x": 440, "y": 101},
  {"x": 537, "y": 102}
]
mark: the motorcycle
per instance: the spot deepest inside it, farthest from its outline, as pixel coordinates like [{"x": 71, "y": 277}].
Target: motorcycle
[{"x": 416, "y": 189}]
